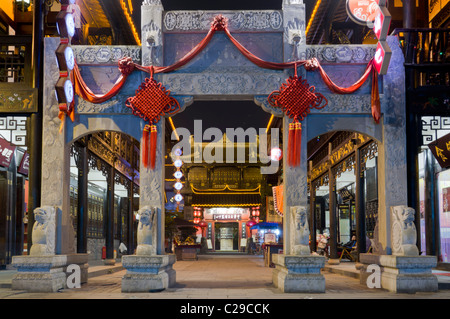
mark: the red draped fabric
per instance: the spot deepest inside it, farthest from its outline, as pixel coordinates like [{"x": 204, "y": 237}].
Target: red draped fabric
[
  {"x": 375, "y": 97},
  {"x": 85, "y": 93},
  {"x": 258, "y": 61},
  {"x": 126, "y": 67}
]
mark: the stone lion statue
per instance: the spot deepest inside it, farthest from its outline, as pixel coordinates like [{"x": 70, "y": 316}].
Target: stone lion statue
[
  {"x": 145, "y": 232},
  {"x": 403, "y": 231},
  {"x": 44, "y": 231},
  {"x": 301, "y": 231}
]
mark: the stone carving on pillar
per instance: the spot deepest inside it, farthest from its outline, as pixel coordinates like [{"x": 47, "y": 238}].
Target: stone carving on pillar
[
  {"x": 151, "y": 2},
  {"x": 44, "y": 231},
  {"x": 301, "y": 231},
  {"x": 145, "y": 232},
  {"x": 288, "y": 2},
  {"x": 403, "y": 231}
]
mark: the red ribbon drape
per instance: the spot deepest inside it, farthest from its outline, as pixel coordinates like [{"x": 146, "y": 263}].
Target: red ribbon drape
[
  {"x": 82, "y": 90},
  {"x": 375, "y": 97}
]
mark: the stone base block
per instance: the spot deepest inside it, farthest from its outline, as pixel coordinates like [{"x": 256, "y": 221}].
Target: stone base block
[
  {"x": 401, "y": 274},
  {"x": 109, "y": 262},
  {"x": 46, "y": 273},
  {"x": 294, "y": 274},
  {"x": 148, "y": 273}
]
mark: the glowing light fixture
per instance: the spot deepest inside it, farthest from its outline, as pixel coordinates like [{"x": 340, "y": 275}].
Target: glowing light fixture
[
  {"x": 276, "y": 154},
  {"x": 178, "y": 163},
  {"x": 178, "y": 174}
]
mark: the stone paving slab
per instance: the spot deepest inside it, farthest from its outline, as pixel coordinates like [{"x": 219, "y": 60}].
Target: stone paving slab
[{"x": 229, "y": 277}]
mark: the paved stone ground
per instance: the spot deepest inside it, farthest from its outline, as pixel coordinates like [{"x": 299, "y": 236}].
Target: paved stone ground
[{"x": 222, "y": 277}]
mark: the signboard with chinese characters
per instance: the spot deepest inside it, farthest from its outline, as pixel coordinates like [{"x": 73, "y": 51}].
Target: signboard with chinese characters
[
  {"x": 24, "y": 164},
  {"x": 382, "y": 23},
  {"x": 363, "y": 11},
  {"x": 6, "y": 152},
  {"x": 382, "y": 57},
  {"x": 441, "y": 150}
]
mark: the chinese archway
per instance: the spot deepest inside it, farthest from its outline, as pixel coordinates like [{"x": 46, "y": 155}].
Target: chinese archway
[{"x": 295, "y": 97}]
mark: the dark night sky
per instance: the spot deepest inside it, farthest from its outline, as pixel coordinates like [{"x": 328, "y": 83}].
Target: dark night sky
[{"x": 222, "y": 114}]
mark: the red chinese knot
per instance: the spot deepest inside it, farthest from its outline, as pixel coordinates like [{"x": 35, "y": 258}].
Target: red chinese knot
[
  {"x": 296, "y": 98},
  {"x": 152, "y": 101}
]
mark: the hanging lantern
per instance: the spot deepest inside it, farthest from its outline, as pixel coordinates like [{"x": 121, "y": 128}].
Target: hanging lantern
[
  {"x": 203, "y": 224},
  {"x": 251, "y": 223},
  {"x": 296, "y": 98}
]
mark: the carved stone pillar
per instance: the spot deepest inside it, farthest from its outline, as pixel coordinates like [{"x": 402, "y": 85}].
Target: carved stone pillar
[
  {"x": 44, "y": 271},
  {"x": 150, "y": 269}
]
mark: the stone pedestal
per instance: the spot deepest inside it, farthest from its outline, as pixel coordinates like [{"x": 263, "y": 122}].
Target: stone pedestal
[
  {"x": 299, "y": 273},
  {"x": 148, "y": 273},
  {"x": 402, "y": 274},
  {"x": 109, "y": 262},
  {"x": 46, "y": 273}
]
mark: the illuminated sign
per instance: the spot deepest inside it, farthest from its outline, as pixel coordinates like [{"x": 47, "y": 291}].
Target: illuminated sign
[
  {"x": 65, "y": 24},
  {"x": 178, "y": 197},
  {"x": 178, "y": 186},
  {"x": 382, "y": 57},
  {"x": 227, "y": 216},
  {"x": 178, "y": 163},
  {"x": 64, "y": 90},
  {"x": 178, "y": 174},
  {"x": 382, "y": 23},
  {"x": 363, "y": 11}
]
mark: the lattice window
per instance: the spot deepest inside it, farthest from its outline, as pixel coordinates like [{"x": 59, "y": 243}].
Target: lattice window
[
  {"x": 14, "y": 130},
  {"x": 434, "y": 127},
  {"x": 371, "y": 217},
  {"x": 12, "y": 63}
]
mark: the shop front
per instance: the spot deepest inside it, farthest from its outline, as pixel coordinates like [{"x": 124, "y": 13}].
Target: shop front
[
  {"x": 344, "y": 190},
  {"x": 226, "y": 213}
]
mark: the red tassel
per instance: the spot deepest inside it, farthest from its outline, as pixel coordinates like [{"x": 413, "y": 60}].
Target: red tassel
[
  {"x": 291, "y": 144},
  {"x": 298, "y": 143},
  {"x": 153, "y": 142},
  {"x": 145, "y": 142}
]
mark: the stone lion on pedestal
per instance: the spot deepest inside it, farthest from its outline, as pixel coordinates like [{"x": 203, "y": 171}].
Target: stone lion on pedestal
[
  {"x": 301, "y": 231},
  {"x": 145, "y": 232},
  {"x": 403, "y": 231},
  {"x": 44, "y": 231}
]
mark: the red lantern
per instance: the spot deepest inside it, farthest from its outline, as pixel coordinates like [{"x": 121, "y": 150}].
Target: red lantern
[
  {"x": 251, "y": 223},
  {"x": 203, "y": 224}
]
